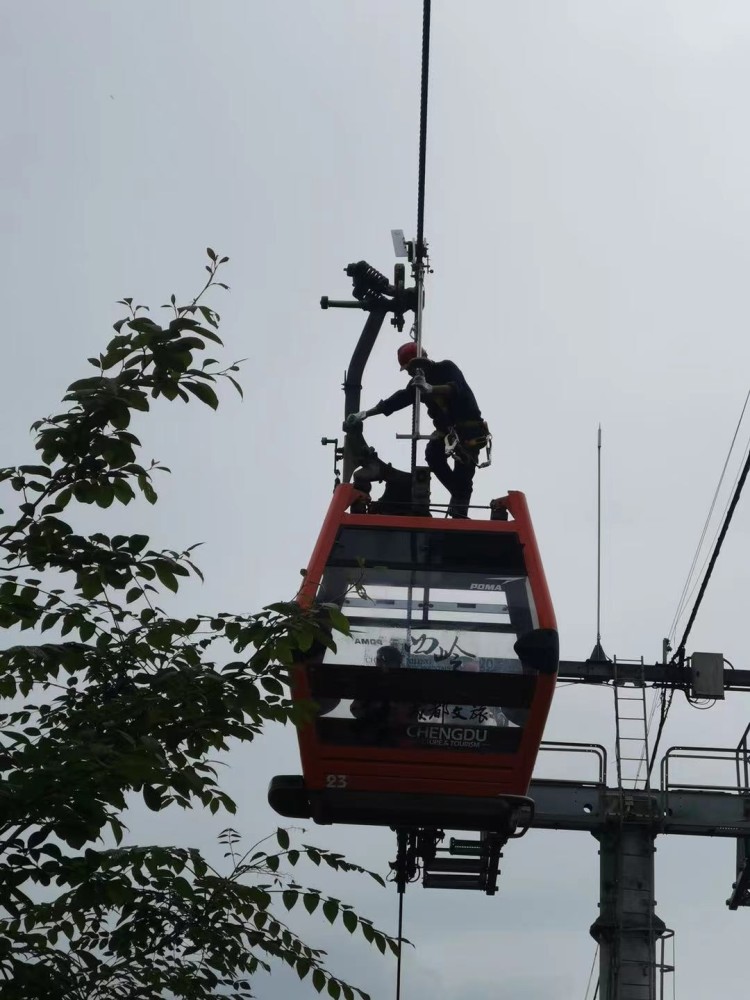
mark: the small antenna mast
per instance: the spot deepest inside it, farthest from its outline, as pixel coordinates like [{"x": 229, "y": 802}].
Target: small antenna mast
[
  {"x": 599, "y": 537},
  {"x": 598, "y": 653}
]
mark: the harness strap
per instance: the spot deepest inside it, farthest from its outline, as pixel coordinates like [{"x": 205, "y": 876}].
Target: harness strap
[{"x": 461, "y": 448}]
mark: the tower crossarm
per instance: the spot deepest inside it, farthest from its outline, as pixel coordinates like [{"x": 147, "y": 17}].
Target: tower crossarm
[
  {"x": 652, "y": 675},
  {"x": 570, "y": 805}
]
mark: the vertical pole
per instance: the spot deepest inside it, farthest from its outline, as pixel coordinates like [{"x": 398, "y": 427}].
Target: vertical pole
[
  {"x": 598, "y": 653},
  {"x": 627, "y": 928},
  {"x": 599, "y": 539},
  {"x": 662, "y": 966},
  {"x": 419, "y": 282},
  {"x": 402, "y": 876},
  {"x": 400, "y": 940},
  {"x": 420, "y": 252}
]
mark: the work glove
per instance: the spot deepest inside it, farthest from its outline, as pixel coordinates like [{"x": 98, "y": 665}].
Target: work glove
[
  {"x": 421, "y": 383},
  {"x": 354, "y": 418}
]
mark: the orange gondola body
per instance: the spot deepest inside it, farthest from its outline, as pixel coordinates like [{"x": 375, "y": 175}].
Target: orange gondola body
[{"x": 431, "y": 711}]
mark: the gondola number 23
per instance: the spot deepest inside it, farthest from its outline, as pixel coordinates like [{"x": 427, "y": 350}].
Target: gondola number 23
[{"x": 336, "y": 781}]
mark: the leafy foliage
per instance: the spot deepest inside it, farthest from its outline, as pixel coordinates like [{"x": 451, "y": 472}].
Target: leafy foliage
[{"x": 110, "y": 697}]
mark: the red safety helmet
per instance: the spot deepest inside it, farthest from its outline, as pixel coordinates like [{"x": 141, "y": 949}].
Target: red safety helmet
[{"x": 408, "y": 352}]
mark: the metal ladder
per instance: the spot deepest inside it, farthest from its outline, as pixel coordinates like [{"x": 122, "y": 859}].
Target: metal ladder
[{"x": 631, "y": 732}]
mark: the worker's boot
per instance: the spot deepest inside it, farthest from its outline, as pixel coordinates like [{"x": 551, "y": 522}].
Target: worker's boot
[{"x": 458, "y": 507}]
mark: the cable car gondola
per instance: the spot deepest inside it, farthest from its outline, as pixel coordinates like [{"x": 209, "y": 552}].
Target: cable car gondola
[{"x": 431, "y": 711}]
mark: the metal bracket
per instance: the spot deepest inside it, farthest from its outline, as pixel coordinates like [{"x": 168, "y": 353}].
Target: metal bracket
[
  {"x": 338, "y": 454},
  {"x": 413, "y": 846},
  {"x": 372, "y": 290},
  {"x": 741, "y": 888}
]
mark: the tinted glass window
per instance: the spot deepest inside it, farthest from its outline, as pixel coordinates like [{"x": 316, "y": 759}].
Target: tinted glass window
[{"x": 427, "y": 600}]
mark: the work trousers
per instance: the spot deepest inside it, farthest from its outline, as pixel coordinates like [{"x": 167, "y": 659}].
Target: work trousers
[{"x": 459, "y": 479}]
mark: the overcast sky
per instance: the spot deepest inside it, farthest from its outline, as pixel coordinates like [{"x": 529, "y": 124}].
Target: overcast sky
[{"x": 588, "y": 210}]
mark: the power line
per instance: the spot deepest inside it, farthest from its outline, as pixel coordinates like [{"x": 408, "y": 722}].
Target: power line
[
  {"x": 696, "y": 584},
  {"x": 684, "y": 597},
  {"x": 666, "y": 704},
  {"x": 591, "y": 974},
  {"x": 644, "y": 756},
  {"x": 680, "y": 652},
  {"x": 666, "y": 700}
]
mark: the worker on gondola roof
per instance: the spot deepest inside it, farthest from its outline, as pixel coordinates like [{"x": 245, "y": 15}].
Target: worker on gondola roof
[{"x": 459, "y": 427}]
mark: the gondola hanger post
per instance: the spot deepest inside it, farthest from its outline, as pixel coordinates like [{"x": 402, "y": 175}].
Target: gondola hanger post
[{"x": 420, "y": 249}]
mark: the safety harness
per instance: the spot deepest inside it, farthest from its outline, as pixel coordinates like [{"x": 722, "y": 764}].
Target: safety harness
[{"x": 468, "y": 450}]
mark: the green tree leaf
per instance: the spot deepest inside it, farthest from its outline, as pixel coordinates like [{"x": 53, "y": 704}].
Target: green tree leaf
[
  {"x": 152, "y": 797},
  {"x": 204, "y": 393},
  {"x": 311, "y": 901},
  {"x": 318, "y": 980}
]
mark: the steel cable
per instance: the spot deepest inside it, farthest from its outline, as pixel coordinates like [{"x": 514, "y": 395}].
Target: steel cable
[
  {"x": 686, "y": 592},
  {"x": 426, "y": 12},
  {"x": 680, "y": 652},
  {"x": 419, "y": 250},
  {"x": 666, "y": 704},
  {"x": 679, "y": 655},
  {"x": 591, "y": 974},
  {"x": 419, "y": 255},
  {"x": 400, "y": 943},
  {"x": 696, "y": 583}
]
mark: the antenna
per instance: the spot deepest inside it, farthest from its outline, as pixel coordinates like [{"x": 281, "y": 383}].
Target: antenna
[
  {"x": 400, "y": 246},
  {"x": 599, "y": 536},
  {"x": 598, "y": 653}
]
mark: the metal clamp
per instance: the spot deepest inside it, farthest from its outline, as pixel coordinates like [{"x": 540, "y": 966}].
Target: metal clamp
[
  {"x": 453, "y": 443},
  {"x": 488, "y": 461}
]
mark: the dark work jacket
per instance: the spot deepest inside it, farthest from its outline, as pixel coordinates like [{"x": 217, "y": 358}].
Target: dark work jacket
[{"x": 458, "y": 408}]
